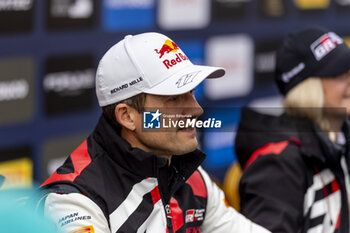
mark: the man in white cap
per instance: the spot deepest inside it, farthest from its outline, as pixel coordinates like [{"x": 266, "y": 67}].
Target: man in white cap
[{"x": 126, "y": 178}]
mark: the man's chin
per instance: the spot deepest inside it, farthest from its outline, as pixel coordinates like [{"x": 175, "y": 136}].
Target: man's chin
[{"x": 188, "y": 147}]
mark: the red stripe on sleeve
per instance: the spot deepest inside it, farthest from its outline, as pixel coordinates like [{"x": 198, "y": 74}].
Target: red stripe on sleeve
[
  {"x": 177, "y": 214},
  {"x": 197, "y": 184},
  {"x": 338, "y": 221},
  {"x": 80, "y": 159},
  {"x": 155, "y": 195},
  {"x": 270, "y": 148},
  {"x": 335, "y": 186}
]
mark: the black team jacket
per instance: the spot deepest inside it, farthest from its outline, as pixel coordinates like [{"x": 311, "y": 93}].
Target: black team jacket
[
  {"x": 295, "y": 180},
  {"x": 107, "y": 186}
]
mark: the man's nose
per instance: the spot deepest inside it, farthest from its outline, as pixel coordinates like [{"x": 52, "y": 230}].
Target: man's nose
[{"x": 192, "y": 107}]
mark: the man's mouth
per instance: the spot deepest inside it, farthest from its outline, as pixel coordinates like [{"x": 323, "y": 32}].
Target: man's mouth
[{"x": 189, "y": 129}]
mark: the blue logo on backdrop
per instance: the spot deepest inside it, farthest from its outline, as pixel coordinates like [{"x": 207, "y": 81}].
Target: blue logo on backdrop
[
  {"x": 128, "y": 14},
  {"x": 151, "y": 120}
]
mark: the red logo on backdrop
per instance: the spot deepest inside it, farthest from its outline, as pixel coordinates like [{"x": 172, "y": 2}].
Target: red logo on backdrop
[{"x": 167, "y": 47}]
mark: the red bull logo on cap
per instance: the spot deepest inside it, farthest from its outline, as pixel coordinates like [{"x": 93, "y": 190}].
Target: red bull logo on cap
[{"x": 167, "y": 47}]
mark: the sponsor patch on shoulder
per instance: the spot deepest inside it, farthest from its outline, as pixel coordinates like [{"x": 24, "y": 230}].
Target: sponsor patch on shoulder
[{"x": 88, "y": 229}]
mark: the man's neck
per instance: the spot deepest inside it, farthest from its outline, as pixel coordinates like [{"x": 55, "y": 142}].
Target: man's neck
[{"x": 132, "y": 140}]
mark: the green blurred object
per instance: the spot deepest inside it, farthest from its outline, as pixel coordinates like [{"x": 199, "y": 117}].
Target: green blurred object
[
  {"x": 2, "y": 179},
  {"x": 17, "y": 215}
]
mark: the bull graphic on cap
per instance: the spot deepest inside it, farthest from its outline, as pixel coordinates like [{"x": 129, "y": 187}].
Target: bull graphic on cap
[{"x": 167, "y": 47}]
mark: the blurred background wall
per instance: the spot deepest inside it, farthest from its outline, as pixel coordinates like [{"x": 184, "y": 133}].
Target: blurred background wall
[{"x": 49, "y": 51}]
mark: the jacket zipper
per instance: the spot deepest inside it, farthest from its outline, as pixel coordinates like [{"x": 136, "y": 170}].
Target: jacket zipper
[
  {"x": 178, "y": 180},
  {"x": 165, "y": 201},
  {"x": 169, "y": 218}
]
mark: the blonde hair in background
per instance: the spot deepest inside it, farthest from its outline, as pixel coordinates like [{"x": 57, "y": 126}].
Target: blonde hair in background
[{"x": 306, "y": 100}]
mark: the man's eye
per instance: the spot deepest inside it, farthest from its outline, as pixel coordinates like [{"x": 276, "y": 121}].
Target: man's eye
[{"x": 173, "y": 98}]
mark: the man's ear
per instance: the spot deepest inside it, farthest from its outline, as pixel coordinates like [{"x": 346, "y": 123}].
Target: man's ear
[{"x": 126, "y": 116}]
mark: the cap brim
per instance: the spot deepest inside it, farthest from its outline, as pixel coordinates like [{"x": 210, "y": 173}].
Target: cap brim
[
  {"x": 186, "y": 80},
  {"x": 337, "y": 66}
]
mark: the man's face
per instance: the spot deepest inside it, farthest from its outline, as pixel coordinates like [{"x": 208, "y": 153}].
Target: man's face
[{"x": 173, "y": 140}]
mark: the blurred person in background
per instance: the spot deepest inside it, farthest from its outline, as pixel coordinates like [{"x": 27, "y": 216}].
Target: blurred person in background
[
  {"x": 17, "y": 216},
  {"x": 125, "y": 179},
  {"x": 2, "y": 179},
  {"x": 296, "y": 166}
]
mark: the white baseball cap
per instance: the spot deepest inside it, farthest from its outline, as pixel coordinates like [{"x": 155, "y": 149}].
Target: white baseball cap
[{"x": 147, "y": 63}]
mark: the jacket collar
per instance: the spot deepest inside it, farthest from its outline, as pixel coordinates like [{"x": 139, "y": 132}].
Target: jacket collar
[
  {"x": 316, "y": 144},
  {"x": 137, "y": 161},
  {"x": 310, "y": 143}
]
